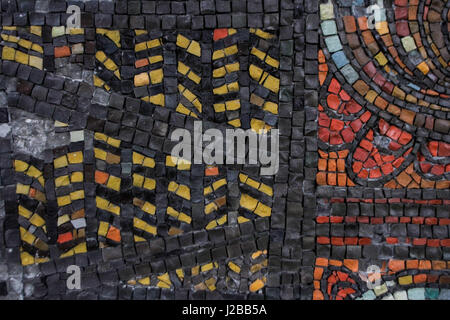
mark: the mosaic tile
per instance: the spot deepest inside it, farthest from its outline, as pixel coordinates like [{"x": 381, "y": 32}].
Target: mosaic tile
[{"x": 359, "y": 98}]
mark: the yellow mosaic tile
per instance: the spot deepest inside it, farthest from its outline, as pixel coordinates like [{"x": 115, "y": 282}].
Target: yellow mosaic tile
[
  {"x": 75, "y": 157},
  {"x": 20, "y": 166},
  {"x": 248, "y": 202},
  {"x": 60, "y": 162},
  {"x": 36, "y": 62},
  {"x": 156, "y": 76},
  {"x": 114, "y": 183},
  {"x": 8, "y": 53},
  {"x": 194, "y": 48},
  {"x": 182, "y": 41}
]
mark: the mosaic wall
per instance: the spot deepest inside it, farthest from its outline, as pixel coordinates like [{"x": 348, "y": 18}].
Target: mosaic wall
[{"x": 360, "y": 94}]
